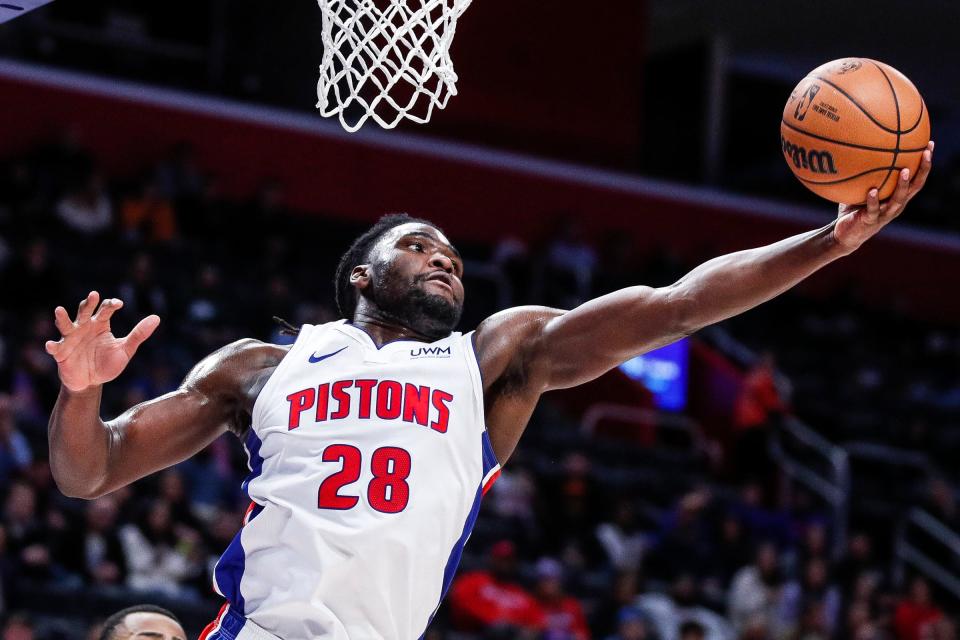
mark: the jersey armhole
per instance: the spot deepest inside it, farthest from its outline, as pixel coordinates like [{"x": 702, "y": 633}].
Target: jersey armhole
[
  {"x": 271, "y": 381},
  {"x": 473, "y": 365}
]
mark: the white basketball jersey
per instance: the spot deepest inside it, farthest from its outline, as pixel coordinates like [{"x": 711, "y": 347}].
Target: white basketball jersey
[{"x": 367, "y": 469}]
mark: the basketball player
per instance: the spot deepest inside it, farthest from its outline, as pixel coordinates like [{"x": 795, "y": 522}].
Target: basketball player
[
  {"x": 143, "y": 622},
  {"x": 372, "y": 439}
]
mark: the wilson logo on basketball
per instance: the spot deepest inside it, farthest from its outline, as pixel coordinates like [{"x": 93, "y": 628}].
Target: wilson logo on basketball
[
  {"x": 801, "y": 111},
  {"x": 813, "y": 160}
]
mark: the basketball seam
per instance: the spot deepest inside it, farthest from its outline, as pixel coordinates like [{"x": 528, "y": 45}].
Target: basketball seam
[
  {"x": 848, "y": 144},
  {"x": 865, "y": 112},
  {"x": 896, "y": 103},
  {"x": 859, "y": 175}
]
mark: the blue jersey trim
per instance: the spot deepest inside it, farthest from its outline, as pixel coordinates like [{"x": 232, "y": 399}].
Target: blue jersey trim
[
  {"x": 453, "y": 562},
  {"x": 229, "y": 569}
]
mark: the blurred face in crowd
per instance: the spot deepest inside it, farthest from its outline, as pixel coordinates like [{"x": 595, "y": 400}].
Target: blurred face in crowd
[
  {"x": 503, "y": 561},
  {"x": 860, "y": 546},
  {"x": 920, "y": 591},
  {"x": 149, "y": 626},
  {"x": 18, "y": 629},
  {"x": 815, "y": 540},
  {"x": 21, "y": 503},
  {"x": 692, "y": 633},
  {"x": 767, "y": 559},
  {"x": 407, "y": 284},
  {"x": 815, "y": 574},
  {"x": 171, "y": 486},
  {"x": 632, "y": 629},
  {"x": 102, "y": 514},
  {"x": 159, "y": 518}
]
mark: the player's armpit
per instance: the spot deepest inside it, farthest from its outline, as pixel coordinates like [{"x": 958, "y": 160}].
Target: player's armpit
[{"x": 586, "y": 342}]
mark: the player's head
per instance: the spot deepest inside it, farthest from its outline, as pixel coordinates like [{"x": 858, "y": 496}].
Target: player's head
[
  {"x": 403, "y": 269},
  {"x": 143, "y": 622}
]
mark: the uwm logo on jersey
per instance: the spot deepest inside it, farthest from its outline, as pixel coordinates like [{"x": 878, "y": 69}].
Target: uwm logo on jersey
[
  {"x": 431, "y": 352},
  {"x": 367, "y": 399}
]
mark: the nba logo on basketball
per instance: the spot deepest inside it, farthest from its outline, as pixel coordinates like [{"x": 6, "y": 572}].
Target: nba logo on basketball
[{"x": 806, "y": 101}]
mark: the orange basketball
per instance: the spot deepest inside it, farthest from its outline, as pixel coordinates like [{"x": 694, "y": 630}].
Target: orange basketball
[{"x": 851, "y": 125}]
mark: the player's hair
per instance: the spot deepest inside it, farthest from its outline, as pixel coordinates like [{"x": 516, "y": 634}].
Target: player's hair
[
  {"x": 114, "y": 621},
  {"x": 345, "y": 294}
]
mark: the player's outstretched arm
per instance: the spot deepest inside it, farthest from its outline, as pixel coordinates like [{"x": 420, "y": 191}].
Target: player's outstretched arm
[
  {"x": 90, "y": 457},
  {"x": 563, "y": 349}
]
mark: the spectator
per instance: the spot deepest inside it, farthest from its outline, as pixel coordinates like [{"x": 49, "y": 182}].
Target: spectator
[
  {"x": 734, "y": 550},
  {"x": 563, "y": 614},
  {"x": 757, "y": 404},
  {"x": 685, "y": 545},
  {"x": 572, "y": 509},
  {"x": 915, "y": 614},
  {"x": 158, "y": 552},
  {"x": 485, "y": 599},
  {"x": 941, "y": 503},
  {"x": 87, "y": 209},
  {"x": 800, "y": 596},
  {"x": 755, "y": 591},
  {"x": 141, "y": 293},
  {"x": 15, "y": 454},
  {"x": 18, "y": 627},
  {"x": 667, "y": 613},
  {"x": 26, "y": 535},
  {"x": 622, "y": 594},
  {"x": 857, "y": 561},
  {"x": 6, "y": 572},
  {"x": 31, "y": 280},
  {"x": 691, "y": 630},
  {"x": 631, "y": 625},
  {"x": 142, "y": 621},
  {"x": 148, "y": 215},
  {"x": 812, "y": 623},
  {"x": 104, "y": 562},
  {"x": 621, "y": 539}
]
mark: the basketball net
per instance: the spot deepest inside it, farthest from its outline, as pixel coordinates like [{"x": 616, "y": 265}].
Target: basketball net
[{"x": 388, "y": 60}]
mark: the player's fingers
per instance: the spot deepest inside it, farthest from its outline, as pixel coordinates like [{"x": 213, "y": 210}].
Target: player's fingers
[
  {"x": 87, "y": 306},
  {"x": 872, "y": 212},
  {"x": 926, "y": 163},
  {"x": 139, "y": 333},
  {"x": 107, "y": 309},
  {"x": 62, "y": 320},
  {"x": 52, "y": 346},
  {"x": 899, "y": 198}
]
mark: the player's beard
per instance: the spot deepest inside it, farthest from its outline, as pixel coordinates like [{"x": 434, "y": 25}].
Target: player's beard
[{"x": 409, "y": 304}]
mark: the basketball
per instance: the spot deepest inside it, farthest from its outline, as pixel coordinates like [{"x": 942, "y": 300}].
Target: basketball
[{"x": 851, "y": 125}]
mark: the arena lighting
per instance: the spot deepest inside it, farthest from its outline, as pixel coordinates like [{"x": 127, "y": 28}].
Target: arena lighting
[
  {"x": 17, "y": 8},
  {"x": 664, "y": 373}
]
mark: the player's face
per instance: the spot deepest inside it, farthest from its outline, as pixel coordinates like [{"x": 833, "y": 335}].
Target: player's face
[
  {"x": 152, "y": 626},
  {"x": 416, "y": 278}
]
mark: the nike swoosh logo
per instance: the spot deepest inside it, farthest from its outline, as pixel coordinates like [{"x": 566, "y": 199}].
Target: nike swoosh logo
[{"x": 316, "y": 358}]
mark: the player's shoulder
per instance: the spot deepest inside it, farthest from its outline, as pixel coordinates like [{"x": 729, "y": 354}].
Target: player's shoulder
[
  {"x": 516, "y": 322},
  {"x": 232, "y": 367},
  {"x": 505, "y": 340}
]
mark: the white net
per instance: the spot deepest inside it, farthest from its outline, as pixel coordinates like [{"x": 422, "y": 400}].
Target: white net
[{"x": 387, "y": 60}]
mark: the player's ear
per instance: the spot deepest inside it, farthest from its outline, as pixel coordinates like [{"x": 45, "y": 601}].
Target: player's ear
[{"x": 360, "y": 276}]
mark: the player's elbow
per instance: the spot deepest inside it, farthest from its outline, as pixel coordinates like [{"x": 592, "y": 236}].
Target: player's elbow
[
  {"x": 73, "y": 483},
  {"x": 681, "y": 311}
]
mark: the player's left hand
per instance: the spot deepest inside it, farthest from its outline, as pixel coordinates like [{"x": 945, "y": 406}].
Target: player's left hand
[{"x": 858, "y": 223}]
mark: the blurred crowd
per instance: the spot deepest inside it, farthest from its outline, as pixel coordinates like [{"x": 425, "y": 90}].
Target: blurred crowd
[{"x": 575, "y": 541}]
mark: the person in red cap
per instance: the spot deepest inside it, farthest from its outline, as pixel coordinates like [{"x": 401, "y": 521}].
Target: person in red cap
[{"x": 481, "y": 600}]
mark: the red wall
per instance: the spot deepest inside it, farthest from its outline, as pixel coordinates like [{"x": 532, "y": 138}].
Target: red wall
[{"x": 345, "y": 176}]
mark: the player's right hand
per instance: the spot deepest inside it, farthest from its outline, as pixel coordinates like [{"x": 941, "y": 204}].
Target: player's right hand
[{"x": 87, "y": 353}]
